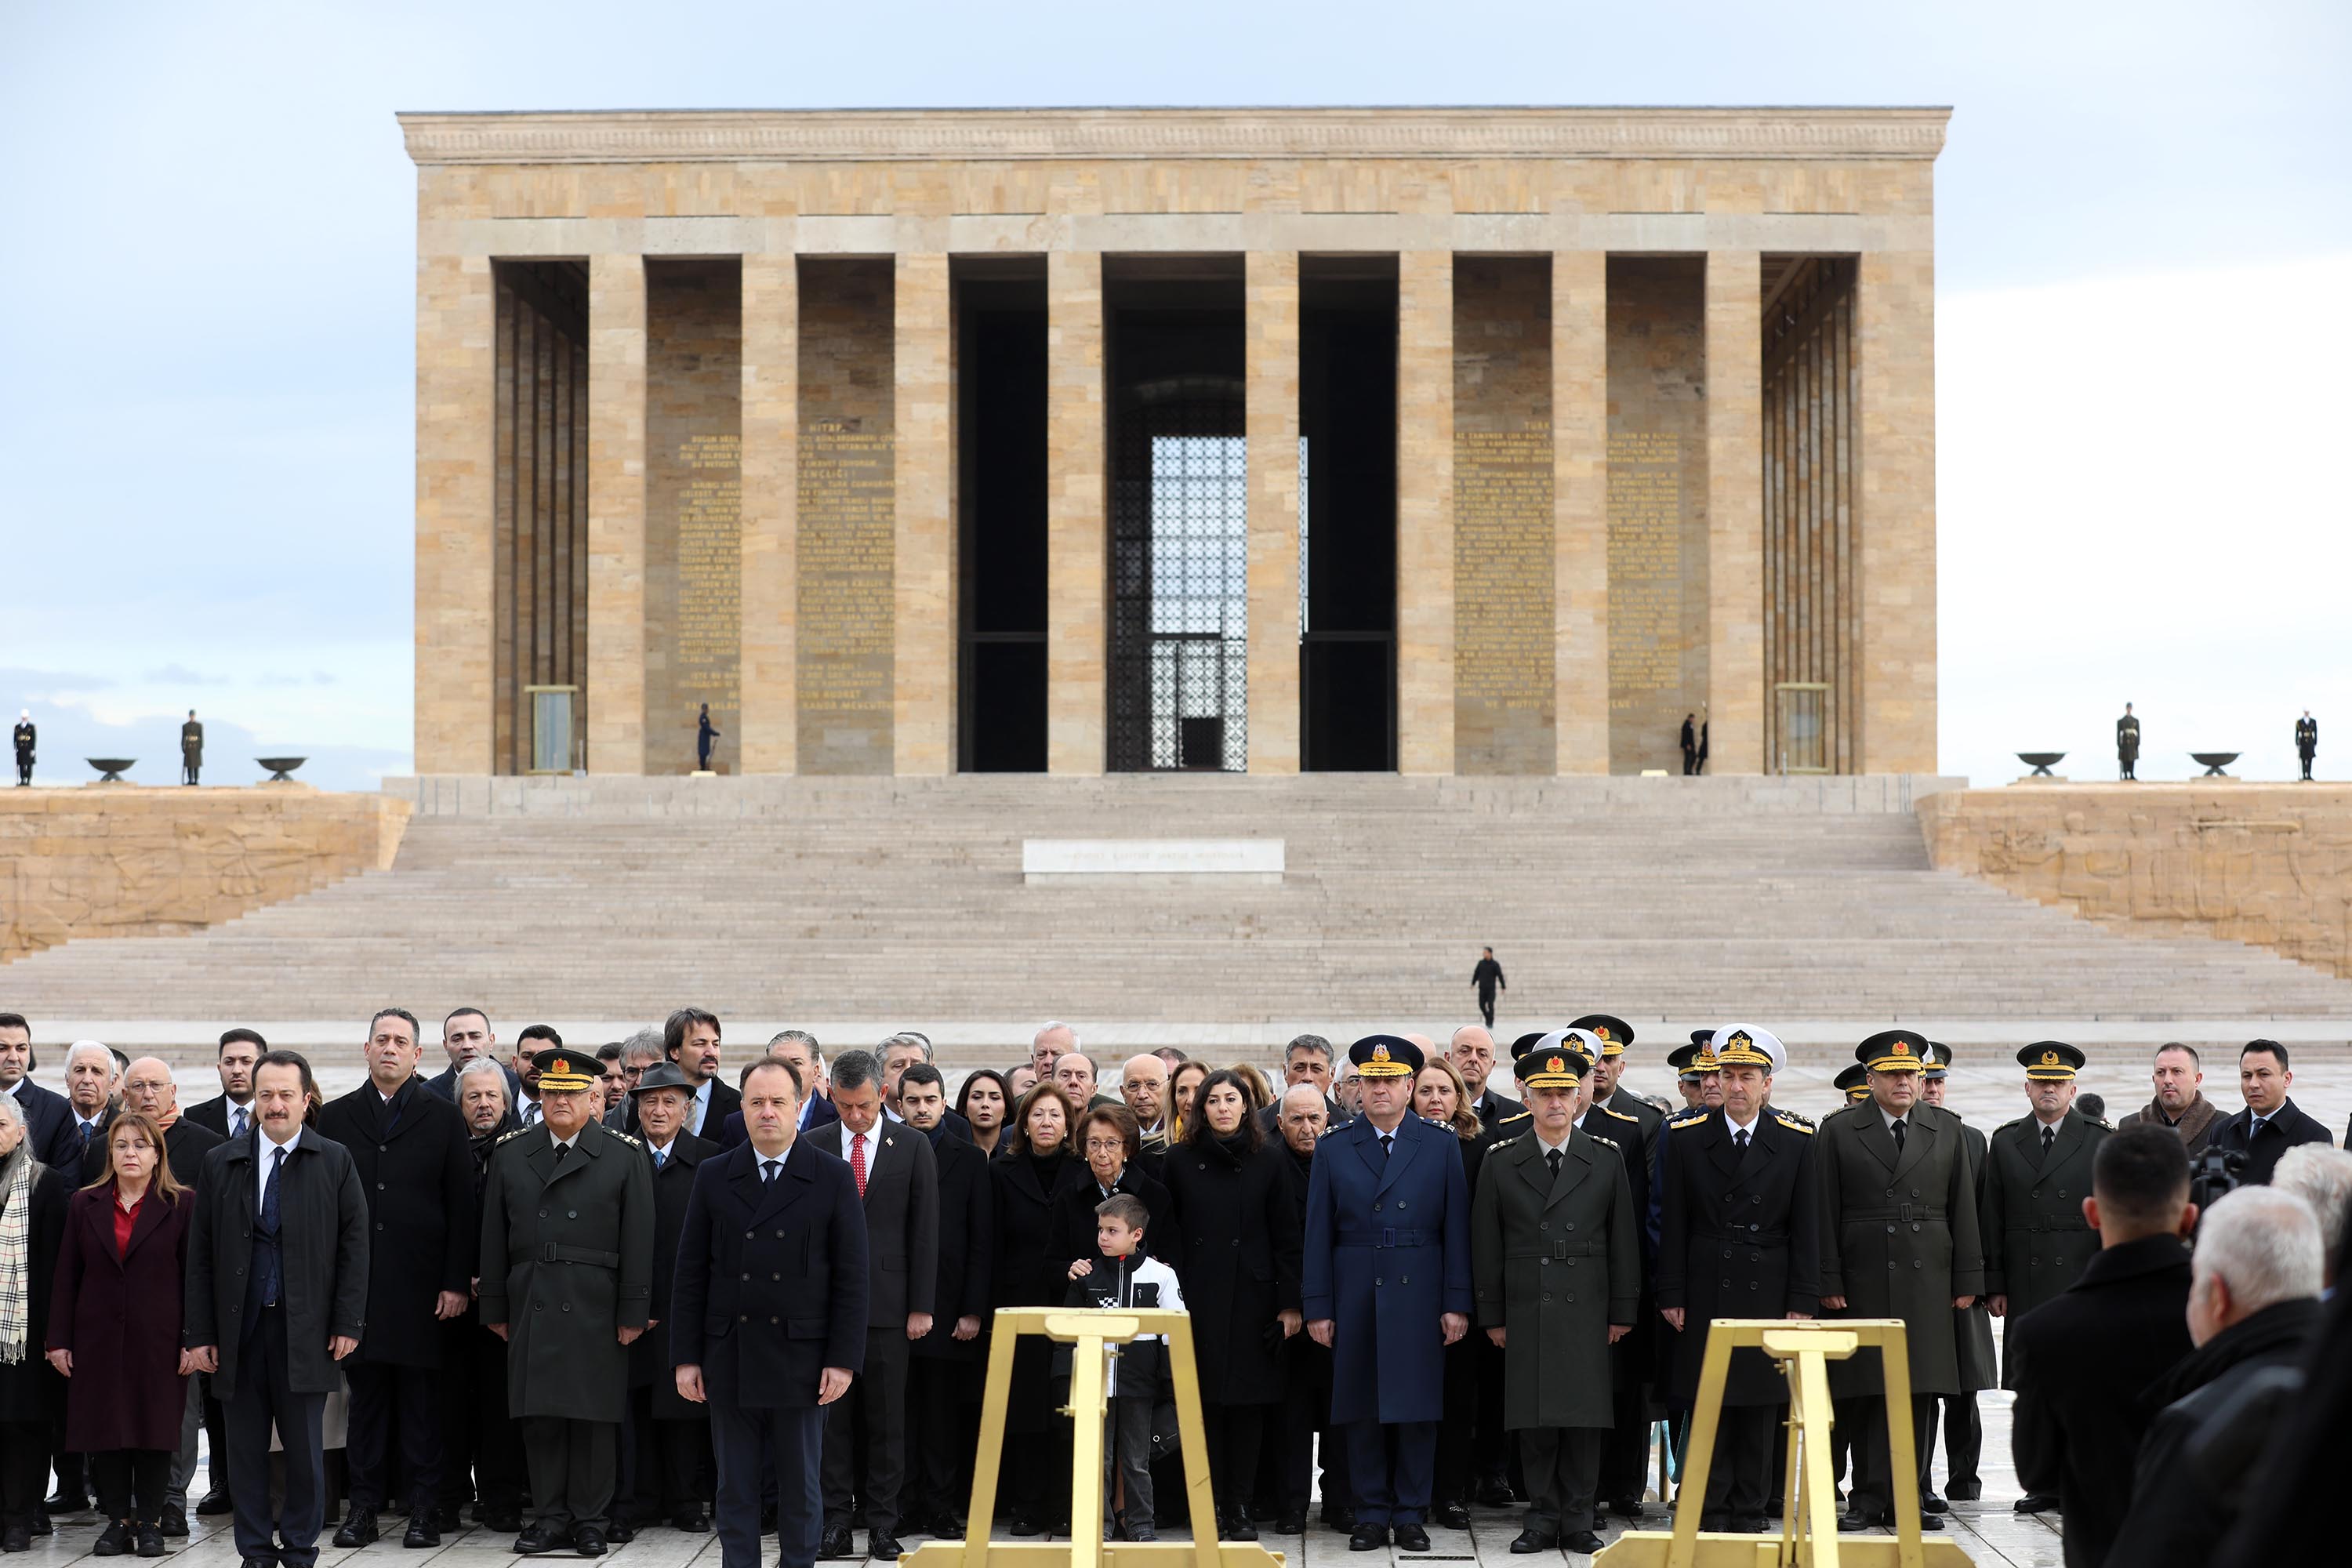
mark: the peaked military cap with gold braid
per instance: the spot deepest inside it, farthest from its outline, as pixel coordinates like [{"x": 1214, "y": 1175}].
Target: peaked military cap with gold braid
[
  {"x": 1893, "y": 1050},
  {"x": 1746, "y": 1046},
  {"x": 2050, "y": 1061},
  {"x": 1855, "y": 1081},
  {"x": 1613, "y": 1034},
  {"x": 1385, "y": 1056},
  {"x": 562, "y": 1069},
  {"x": 1556, "y": 1060},
  {"x": 1697, "y": 1058}
]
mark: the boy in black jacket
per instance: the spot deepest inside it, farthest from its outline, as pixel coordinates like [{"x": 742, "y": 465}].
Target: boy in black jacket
[{"x": 1124, "y": 1277}]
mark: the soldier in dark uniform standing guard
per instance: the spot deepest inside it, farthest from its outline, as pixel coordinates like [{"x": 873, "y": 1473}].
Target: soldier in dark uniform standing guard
[
  {"x": 1555, "y": 1252},
  {"x": 1899, "y": 1240},
  {"x": 1956, "y": 1413},
  {"x": 1386, "y": 1287},
  {"x": 28, "y": 736},
  {"x": 2306, "y": 742},
  {"x": 1632, "y": 1123},
  {"x": 567, "y": 1281},
  {"x": 192, "y": 748},
  {"x": 1741, "y": 1239},
  {"x": 2127, "y": 745},
  {"x": 2036, "y": 1240}
]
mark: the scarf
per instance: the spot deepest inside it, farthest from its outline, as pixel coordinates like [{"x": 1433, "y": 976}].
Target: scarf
[
  {"x": 2201, "y": 1113},
  {"x": 15, "y": 1253}
]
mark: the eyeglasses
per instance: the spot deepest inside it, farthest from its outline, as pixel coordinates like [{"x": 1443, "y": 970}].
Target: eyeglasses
[{"x": 1105, "y": 1145}]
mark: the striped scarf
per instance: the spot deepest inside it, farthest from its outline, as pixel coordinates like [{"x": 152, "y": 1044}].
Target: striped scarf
[{"x": 16, "y": 1261}]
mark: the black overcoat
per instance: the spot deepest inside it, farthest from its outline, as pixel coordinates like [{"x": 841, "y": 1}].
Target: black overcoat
[
  {"x": 1740, "y": 1238},
  {"x": 416, "y": 1169},
  {"x": 771, "y": 1282},
  {"x": 30, "y": 1390},
  {"x": 119, "y": 1316},
  {"x": 650, "y": 1365},
  {"x": 2029, "y": 1207},
  {"x": 1238, "y": 1260},
  {"x": 1023, "y": 1274},
  {"x": 1980, "y": 1362},
  {"x": 967, "y": 1249},
  {"x": 1070, "y": 1232},
  {"x": 1899, "y": 1238},
  {"x": 324, "y": 1223},
  {"x": 901, "y": 1203}
]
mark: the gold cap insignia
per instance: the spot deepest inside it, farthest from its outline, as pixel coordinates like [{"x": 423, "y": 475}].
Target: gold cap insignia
[
  {"x": 2050, "y": 1058},
  {"x": 1600, "y": 1031},
  {"x": 1900, "y": 1047},
  {"x": 1555, "y": 1064},
  {"x": 1380, "y": 1053}
]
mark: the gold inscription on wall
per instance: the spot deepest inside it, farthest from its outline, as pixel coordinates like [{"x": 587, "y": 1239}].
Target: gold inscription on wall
[
  {"x": 1645, "y": 569},
  {"x": 845, "y": 620},
  {"x": 709, "y": 623},
  {"x": 1503, "y": 556}
]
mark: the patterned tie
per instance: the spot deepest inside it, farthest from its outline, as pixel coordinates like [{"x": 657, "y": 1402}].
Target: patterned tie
[
  {"x": 530, "y": 1113},
  {"x": 239, "y": 1131},
  {"x": 1898, "y": 1138},
  {"x": 857, "y": 1160}
]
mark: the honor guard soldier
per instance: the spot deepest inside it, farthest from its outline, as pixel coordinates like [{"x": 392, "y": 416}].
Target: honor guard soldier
[
  {"x": 567, "y": 1281},
  {"x": 1555, "y": 1252},
  {"x": 2037, "y": 1174},
  {"x": 1618, "y": 1114},
  {"x": 1386, "y": 1287},
  {"x": 1741, "y": 1240},
  {"x": 2306, "y": 742},
  {"x": 1957, "y": 1414},
  {"x": 1899, "y": 1240}
]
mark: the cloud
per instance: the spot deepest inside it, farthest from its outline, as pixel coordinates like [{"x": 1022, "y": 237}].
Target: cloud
[{"x": 180, "y": 675}]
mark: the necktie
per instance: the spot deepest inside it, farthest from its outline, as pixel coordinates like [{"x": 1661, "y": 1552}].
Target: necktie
[
  {"x": 1551, "y": 1158},
  {"x": 271, "y": 1272},
  {"x": 89, "y": 1131},
  {"x": 1898, "y": 1137},
  {"x": 1739, "y": 1139},
  {"x": 658, "y": 1156},
  {"x": 530, "y": 1113},
  {"x": 857, "y": 1160},
  {"x": 239, "y": 1131},
  {"x": 561, "y": 1151},
  {"x": 768, "y": 1170},
  {"x": 2254, "y": 1130},
  {"x": 2049, "y": 1136},
  {"x": 1388, "y": 1144}
]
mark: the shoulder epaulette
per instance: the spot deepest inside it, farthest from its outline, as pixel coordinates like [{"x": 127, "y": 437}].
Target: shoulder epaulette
[
  {"x": 615, "y": 1132},
  {"x": 2102, "y": 1122},
  {"x": 504, "y": 1137},
  {"x": 1597, "y": 1138},
  {"x": 1689, "y": 1119},
  {"x": 2019, "y": 1121},
  {"x": 1620, "y": 1115},
  {"x": 1793, "y": 1123},
  {"x": 1522, "y": 1116},
  {"x": 1501, "y": 1144},
  {"x": 1792, "y": 1115}
]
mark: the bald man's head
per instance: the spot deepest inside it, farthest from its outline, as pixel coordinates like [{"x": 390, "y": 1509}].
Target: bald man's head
[
  {"x": 148, "y": 1089},
  {"x": 1302, "y": 1117},
  {"x": 1143, "y": 1084}
]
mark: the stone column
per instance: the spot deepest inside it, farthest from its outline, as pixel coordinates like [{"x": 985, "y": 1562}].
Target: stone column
[
  {"x": 770, "y": 702},
  {"x": 1426, "y": 511},
  {"x": 1272, "y": 397},
  {"x": 616, "y": 514},
  {"x": 1895, "y": 531},
  {"x": 456, "y": 621},
  {"x": 924, "y": 666},
  {"x": 1735, "y": 513},
  {"x": 1077, "y": 690},
  {"x": 1579, "y": 457}
]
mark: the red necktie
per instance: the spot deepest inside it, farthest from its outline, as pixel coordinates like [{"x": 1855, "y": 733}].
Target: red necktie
[{"x": 857, "y": 1160}]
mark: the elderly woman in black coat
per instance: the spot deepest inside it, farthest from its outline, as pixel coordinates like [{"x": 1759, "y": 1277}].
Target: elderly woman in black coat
[
  {"x": 1109, "y": 1140},
  {"x": 32, "y": 1224},
  {"x": 1028, "y": 1174},
  {"x": 1237, "y": 1252}
]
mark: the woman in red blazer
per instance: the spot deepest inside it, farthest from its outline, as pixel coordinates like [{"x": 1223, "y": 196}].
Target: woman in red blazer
[{"x": 114, "y": 1331}]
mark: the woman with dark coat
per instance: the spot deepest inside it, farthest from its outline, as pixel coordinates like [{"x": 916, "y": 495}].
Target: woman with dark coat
[
  {"x": 1440, "y": 1096},
  {"x": 114, "y": 1331},
  {"x": 1028, "y": 1174},
  {"x": 1109, "y": 1140},
  {"x": 32, "y": 1226},
  {"x": 1237, "y": 1252}
]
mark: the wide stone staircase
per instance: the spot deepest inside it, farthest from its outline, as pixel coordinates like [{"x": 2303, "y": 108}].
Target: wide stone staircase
[{"x": 903, "y": 899}]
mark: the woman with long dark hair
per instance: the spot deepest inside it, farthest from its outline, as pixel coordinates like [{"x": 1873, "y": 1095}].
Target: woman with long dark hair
[
  {"x": 1237, "y": 1252},
  {"x": 1440, "y": 1096},
  {"x": 985, "y": 1101},
  {"x": 114, "y": 1332},
  {"x": 1028, "y": 1174},
  {"x": 32, "y": 1226}
]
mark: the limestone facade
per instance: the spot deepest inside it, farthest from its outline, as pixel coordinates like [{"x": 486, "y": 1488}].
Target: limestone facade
[{"x": 1502, "y": 227}]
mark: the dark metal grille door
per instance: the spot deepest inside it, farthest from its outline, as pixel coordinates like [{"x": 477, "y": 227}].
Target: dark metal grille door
[{"x": 1179, "y": 585}]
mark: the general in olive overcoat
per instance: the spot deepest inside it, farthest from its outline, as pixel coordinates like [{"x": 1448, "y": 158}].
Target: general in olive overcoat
[
  {"x": 1899, "y": 1238},
  {"x": 567, "y": 1261},
  {"x": 1740, "y": 1238},
  {"x": 1556, "y": 1263},
  {"x": 2036, "y": 1241}
]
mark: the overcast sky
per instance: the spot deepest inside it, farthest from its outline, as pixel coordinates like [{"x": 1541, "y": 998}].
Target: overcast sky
[{"x": 2145, "y": 313}]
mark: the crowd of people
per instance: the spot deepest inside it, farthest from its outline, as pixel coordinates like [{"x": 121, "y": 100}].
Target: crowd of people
[{"x": 578, "y": 1293}]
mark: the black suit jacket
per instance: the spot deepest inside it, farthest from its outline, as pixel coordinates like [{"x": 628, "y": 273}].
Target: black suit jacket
[
  {"x": 2282, "y": 1133},
  {"x": 902, "y": 1216},
  {"x": 185, "y": 1145},
  {"x": 650, "y": 1362},
  {"x": 48, "y": 1120},
  {"x": 1070, "y": 1216},
  {"x": 213, "y": 1113},
  {"x": 2081, "y": 1362},
  {"x": 967, "y": 1248},
  {"x": 415, "y": 1166},
  {"x": 1492, "y": 1108},
  {"x": 770, "y": 1287},
  {"x": 323, "y": 1216}
]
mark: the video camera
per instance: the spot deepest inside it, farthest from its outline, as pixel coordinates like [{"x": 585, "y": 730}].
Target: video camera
[{"x": 2214, "y": 1173}]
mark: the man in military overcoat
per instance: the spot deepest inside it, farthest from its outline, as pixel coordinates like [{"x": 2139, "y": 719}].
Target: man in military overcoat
[
  {"x": 2127, "y": 745},
  {"x": 567, "y": 1281},
  {"x": 1956, "y": 1416},
  {"x": 1557, "y": 1265},
  {"x": 2037, "y": 1174},
  {"x": 1741, "y": 1238},
  {"x": 192, "y": 748},
  {"x": 1624, "y": 1461},
  {"x": 1386, "y": 1287},
  {"x": 2306, "y": 742},
  {"x": 1899, "y": 1240},
  {"x": 28, "y": 736}
]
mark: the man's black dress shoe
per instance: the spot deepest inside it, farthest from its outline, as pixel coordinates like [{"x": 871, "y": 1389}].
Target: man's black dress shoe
[
  {"x": 1411, "y": 1538},
  {"x": 1292, "y": 1522},
  {"x": 1367, "y": 1538},
  {"x": 41, "y": 1525},
  {"x": 1533, "y": 1540},
  {"x": 694, "y": 1521},
  {"x": 619, "y": 1533},
  {"x": 1583, "y": 1541},
  {"x": 1022, "y": 1525},
  {"x": 542, "y": 1537},
  {"x": 588, "y": 1540},
  {"x": 424, "y": 1528},
  {"x": 1494, "y": 1491},
  {"x": 1715, "y": 1521},
  {"x": 1853, "y": 1520},
  {"x": 1626, "y": 1508},
  {"x": 502, "y": 1519},
  {"x": 1754, "y": 1524},
  {"x": 1927, "y": 1521},
  {"x": 359, "y": 1528},
  {"x": 64, "y": 1501},
  {"x": 882, "y": 1547},
  {"x": 1930, "y": 1503},
  {"x": 147, "y": 1541},
  {"x": 174, "y": 1523},
  {"x": 835, "y": 1543},
  {"x": 2034, "y": 1503},
  {"x": 1453, "y": 1516},
  {"x": 114, "y": 1540},
  {"x": 1339, "y": 1515},
  {"x": 1238, "y": 1527}
]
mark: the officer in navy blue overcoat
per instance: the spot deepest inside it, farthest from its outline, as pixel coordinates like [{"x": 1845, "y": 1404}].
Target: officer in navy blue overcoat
[{"x": 1387, "y": 1287}]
